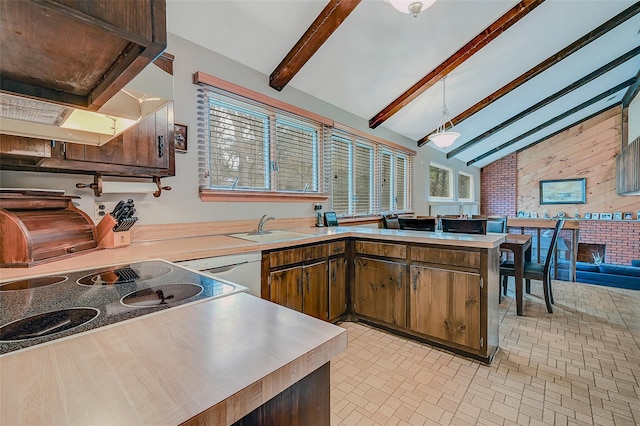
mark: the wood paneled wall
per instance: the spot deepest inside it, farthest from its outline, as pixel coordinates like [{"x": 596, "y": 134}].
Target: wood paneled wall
[{"x": 586, "y": 150}]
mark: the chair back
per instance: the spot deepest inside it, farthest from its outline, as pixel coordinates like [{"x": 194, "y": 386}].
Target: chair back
[
  {"x": 464, "y": 226},
  {"x": 497, "y": 224},
  {"x": 412, "y": 224},
  {"x": 552, "y": 246}
]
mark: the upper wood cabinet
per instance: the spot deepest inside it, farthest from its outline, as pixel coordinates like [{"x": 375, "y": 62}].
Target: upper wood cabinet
[
  {"x": 147, "y": 145},
  {"x": 78, "y": 52},
  {"x": 145, "y": 150}
]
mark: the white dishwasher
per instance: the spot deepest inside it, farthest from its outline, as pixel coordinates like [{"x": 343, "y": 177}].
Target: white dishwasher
[{"x": 243, "y": 269}]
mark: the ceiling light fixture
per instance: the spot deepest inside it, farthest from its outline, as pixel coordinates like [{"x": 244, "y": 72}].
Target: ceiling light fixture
[
  {"x": 442, "y": 138},
  {"x": 413, "y": 8}
]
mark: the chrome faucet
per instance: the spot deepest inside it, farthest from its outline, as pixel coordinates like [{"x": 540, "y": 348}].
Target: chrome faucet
[{"x": 262, "y": 222}]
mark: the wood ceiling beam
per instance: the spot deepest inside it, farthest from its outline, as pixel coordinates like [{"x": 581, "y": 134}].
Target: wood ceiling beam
[
  {"x": 543, "y": 66},
  {"x": 562, "y": 116},
  {"x": 516, "y": 13},
  {"x": 548, "y": 100},
  {"x": 318, "y": 32}
]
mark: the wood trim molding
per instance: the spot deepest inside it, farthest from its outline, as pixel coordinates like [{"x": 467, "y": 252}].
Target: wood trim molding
[
  {"x": 362, "y": 134},
  {"x": 200, "y": 77},
  {"x": 318, "y": 32},
  {"x": 255, "y": 196},
  {"x": 498, "y": 27},
  {"x": 544, "y": 65}
]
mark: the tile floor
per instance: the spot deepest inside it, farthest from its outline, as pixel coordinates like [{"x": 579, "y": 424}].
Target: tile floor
[{"x": 577, "y": 366}]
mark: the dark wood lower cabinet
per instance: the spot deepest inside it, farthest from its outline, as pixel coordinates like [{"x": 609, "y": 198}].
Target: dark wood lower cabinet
[
  {"x": 306, "y": 403},
  {"x": 380, "y": 290}
]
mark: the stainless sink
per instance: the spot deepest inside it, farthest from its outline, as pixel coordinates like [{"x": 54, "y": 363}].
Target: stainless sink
[{"x": 271, "y": 236}]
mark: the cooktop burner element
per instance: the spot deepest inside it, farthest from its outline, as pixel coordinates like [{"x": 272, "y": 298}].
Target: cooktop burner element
[
  {"x": 83, "y": 300},
  {"x": 124, "y": 274},
  {"x": 161, "y": 295},
  {"x": 32, "y": 283},
  {"x": 46, "y": 324}
]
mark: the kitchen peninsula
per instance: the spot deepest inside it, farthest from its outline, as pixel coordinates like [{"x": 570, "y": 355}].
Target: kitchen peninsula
[{"x": 217, "y": 360}]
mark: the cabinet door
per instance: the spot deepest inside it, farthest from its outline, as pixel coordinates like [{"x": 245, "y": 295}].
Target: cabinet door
[
  {"x": 337, "y": 287},
  {"x": 445, "y": 304},
  {"x": 286, "y": 288},
  {"x": 315, "y": 297},
  {"x": 146, "y": 144},
  {"x": 380, "y": 290}
]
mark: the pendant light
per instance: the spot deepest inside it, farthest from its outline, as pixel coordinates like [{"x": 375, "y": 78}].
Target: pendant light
[
  {"x": 413, "y": 8},
  {"x": 442, "y": 138}
]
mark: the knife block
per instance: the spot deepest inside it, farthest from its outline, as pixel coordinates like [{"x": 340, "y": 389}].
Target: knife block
[{"x": 107, "y": 238}]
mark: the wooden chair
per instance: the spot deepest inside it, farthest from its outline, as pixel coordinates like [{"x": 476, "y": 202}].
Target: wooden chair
[
  {"x": 414, "y": 224},
  {"x": 536, "y": 271},
  {"x": 464, "y": 226}
]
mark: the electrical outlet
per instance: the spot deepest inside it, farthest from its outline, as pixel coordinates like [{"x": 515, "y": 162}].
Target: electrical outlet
[{"x": 103, "y": 208}]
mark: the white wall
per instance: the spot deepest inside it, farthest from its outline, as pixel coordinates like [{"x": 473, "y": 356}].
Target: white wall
[{"x": 182, "y": 203}]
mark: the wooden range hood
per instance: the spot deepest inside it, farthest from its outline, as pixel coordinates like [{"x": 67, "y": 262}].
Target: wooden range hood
[{"x": 80, "y": 57}]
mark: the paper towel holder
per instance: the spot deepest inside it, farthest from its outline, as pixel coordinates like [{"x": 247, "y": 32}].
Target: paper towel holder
[{"x": 97, "y": 185}]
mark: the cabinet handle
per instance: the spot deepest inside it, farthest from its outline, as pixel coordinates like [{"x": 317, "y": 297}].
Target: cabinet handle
[
  {"x": 299, "y": 282},
  {"x": 308, "y": 282},
  {"x": 415, "y": 280},
  {"x": 161, "y": 146},
  {"x": 333, "y": 276},
  {"x": 400, "y": 280}
]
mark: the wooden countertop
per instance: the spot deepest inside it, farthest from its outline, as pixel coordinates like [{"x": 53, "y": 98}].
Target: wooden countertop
[
  {"x": 218, "y": 245},
  {"x": 222, "y": 358}
]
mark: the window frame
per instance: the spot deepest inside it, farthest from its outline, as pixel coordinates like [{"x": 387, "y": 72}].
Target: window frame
[
  {"x": 472, "y": 198},
  {"x": 450, "y": 171}
]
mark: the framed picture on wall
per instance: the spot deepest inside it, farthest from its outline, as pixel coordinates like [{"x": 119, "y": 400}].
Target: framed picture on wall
[
  {"x": 180, "y": 137},
  {"x": 595, "y": 216},
  {"x": 617, "y": 216},
  {"x": 606, "y": 216},
  {"x": 563, "y": 191},
  {"x": 627, "y": 216},
  {"x": 587, "y": 215}
]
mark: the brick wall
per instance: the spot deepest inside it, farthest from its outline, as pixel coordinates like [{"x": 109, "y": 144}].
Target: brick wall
[
  {"x": 498, "y": 187},
  {"x": 498, "y": 197},
  {"x": 622, "y": 238}
]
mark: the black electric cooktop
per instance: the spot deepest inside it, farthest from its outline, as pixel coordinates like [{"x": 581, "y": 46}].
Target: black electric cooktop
[{"x": 42, "y": 309}]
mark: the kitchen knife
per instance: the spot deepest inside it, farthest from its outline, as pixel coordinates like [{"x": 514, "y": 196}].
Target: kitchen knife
[{"x": 117, "y": 208}]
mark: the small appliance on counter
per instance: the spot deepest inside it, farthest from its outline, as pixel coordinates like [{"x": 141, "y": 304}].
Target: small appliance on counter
[
  {"x": 40, "y": 226},
  {"x": 113, "y": 229}
]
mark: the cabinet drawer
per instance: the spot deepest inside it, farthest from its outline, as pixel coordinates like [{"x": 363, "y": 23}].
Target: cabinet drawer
[
  {"x": 467, "y": 259},
  {"x": 381, "y": 249},
  {"x": 297, "y": 255},
  {"x": 337, "y": 247}
]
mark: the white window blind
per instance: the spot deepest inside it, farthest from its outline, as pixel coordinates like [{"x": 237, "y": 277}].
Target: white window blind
[
  {"x": 252, "y": 146},
  {"x": 367, "y": 177}
]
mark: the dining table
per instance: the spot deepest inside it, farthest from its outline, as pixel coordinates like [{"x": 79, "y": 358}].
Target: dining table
[{"x": 520, "y": 246}]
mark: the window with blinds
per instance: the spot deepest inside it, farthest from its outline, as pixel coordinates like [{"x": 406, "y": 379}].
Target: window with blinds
[
  {"x": 256, "y": 147},
  {"x": 367, "y": 177}
]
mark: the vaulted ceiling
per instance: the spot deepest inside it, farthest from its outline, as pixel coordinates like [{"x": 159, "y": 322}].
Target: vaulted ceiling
[{"x": 517, "y": 71}]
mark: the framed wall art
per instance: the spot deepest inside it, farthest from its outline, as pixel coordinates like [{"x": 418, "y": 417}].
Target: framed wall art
[
  {"x": 563, "y": 191},
  {"x": 180, "y": 137}
]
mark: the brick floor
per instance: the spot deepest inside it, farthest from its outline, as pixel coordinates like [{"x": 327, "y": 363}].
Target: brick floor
[{"x": 577, "y": 366}]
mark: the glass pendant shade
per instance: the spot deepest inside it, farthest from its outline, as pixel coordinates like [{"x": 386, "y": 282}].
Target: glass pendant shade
[{"x": 413, "y": 8}]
